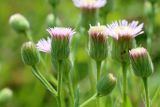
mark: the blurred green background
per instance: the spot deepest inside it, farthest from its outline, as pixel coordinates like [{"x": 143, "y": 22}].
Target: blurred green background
[{"x": 27, "y": 91}]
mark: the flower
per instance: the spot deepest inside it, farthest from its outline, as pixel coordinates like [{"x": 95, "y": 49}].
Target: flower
[
  {"x": 89, "y": 4},
  {"x": 141, "y": 62},
  {"x": 60, "y": 32},
  {"x": 44, "y": 45},
  {"x": 98, "y": 42},
  {"x": 123, "y": 34},
  {"x": 61, "y": 37},
  {"x": 123, "y": 29},
  {"x": 98, "y": 32}
]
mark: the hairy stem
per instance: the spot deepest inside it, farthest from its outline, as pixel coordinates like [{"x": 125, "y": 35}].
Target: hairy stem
[
  {"x": 89, "y": 100},
  {"x": 124, "y": 71},
  {"x": 60, "y": 75},
  {"x": 98, "y": 77},
  {"x": 40, "y": 77},
  {"x": 145, "y": 82}
]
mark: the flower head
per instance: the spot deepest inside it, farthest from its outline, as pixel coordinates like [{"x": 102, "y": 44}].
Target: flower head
[
  {"x": 141, "y": 62},
  {"x": 60, "y": 42},
  {"x": 89, "y": 4},
  {"x": 98, "y": 32},
  {"x": 44, "y": 45},
  {"x": 125, "y": 30},
  {"x": 60, "y": 32},
  {"x": 98, "y": 42}
]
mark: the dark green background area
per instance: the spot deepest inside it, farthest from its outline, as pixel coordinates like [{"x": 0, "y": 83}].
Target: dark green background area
[{"x": 28, "y": 92}]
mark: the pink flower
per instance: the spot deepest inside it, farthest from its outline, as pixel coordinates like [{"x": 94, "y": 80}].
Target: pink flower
[
  {"x": 56, "y": 33},
  {"x": 138, "y": 52},
  {"x": 60, "y": 32},
  {"x": 123, "y": 29},
  {"x": 89, "y": 4},
  {"x": 44, "y": 45}
]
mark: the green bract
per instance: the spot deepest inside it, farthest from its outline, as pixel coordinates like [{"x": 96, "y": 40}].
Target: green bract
[
  {"x": 106, "y": 84},
  {"x": 60, "y": 48},
  {"x": 29, "y": 53},
  {"x": 120, "y": 48},
  {"x": 19, "y": 23}
]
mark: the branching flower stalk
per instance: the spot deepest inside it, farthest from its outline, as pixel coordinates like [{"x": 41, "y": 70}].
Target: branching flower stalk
[
  {"x": 59, "y": 49},
  {"x": 21, "y": 25},
  {"x": 123, "y": 34},
  {"x": 30, "y": 56}
]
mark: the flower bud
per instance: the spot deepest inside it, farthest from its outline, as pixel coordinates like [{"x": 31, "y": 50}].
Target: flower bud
[
  {"x": 141, "y": 62},
  {"x": 106, "y": 84},
  {"x": 60, "y": 48},
  {"x": 29, "y": 53},
  {"x": 5, "y": 95},
  {"x": 51, "y": 21},
  {"x": 98, "y": 42},
  {"x": 19, "y": 23}
]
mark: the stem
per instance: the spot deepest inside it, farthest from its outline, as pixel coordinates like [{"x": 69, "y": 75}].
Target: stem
[
  {"x": 98, "y": 77},
  {"x": 71, "y": 88},
  {"x": 27, "y": 33},
  {"x": 145, "y": 82},
  {"x": 60, "y": 75},
  {"x": 124, "y": 71},
  {"x": 89, "y": 100},
  {"x": 98, "y": 69},
  {"x": 40, "y": 77}
]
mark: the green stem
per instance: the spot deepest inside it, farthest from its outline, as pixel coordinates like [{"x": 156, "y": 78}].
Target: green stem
[
  {"x": 60, "y": 75},
  {"x": 98, "y": 69},
  {"x": 91, "y": 76},
  {"x": 89, "y": 100},
  {"x": 98, "y": 77},
  {"x": 124, "y": 71},
  {"x": 39, "y": 76},
  {"x": 71, "y": 88},
  {"x": 145, "y": 82},
  {"x": 27, "y": 33}
]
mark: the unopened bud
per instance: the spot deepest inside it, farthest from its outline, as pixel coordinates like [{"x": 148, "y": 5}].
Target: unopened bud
[
  {"x": 29, "y": 53},
  {"x": 106, "y": 84},
  {"x": 141, "y": 62},
  {"x": 5, "y": 95},
  {"x": 19, "y": 23}
]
